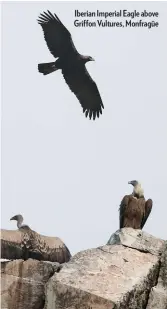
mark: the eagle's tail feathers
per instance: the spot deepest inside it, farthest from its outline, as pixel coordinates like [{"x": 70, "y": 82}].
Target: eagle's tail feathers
[{"x": 47, "y": 68}]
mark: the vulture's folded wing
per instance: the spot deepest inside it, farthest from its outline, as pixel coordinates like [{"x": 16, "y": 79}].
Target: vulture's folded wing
[
  {"x": 85, "y": 89},
  {"x": 122, "y": 208},
  {"x": 57, "y": 37},
  {"x": 148, "y": 208}
]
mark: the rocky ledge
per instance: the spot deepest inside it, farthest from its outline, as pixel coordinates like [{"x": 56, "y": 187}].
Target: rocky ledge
[{"x": 130, "y": 272}]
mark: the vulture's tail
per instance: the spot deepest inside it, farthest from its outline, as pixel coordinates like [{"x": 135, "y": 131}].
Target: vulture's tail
[{"x": 47, "y": 68}]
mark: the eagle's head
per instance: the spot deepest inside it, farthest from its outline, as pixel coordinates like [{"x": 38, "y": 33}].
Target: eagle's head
[{"x": 87, "y": 58}]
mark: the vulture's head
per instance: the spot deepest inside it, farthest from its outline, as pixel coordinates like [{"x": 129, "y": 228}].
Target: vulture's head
[
  {"x": 17, "y": 218},
  {"x": 134, "y": 183},
  {"x": 137, "y": 188}
]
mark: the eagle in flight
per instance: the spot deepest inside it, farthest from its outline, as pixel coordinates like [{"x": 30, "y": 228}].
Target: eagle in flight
[
  {"x": 71, "y": 63},
  {"x": 134, "y": 209}
]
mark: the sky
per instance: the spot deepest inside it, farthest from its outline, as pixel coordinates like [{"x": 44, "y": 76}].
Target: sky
[{"x": 67, "y": 174}]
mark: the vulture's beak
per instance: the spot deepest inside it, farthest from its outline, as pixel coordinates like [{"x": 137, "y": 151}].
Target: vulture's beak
[
  {"x": 13, "y": 218},
  {"x": 133, "y": 182}
]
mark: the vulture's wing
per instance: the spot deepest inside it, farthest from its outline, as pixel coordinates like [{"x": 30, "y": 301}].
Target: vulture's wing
[
  {"x": 53, "y": 249},
  {"x": 26, "y": 243},
  {"x": 11, "y": 244},
  {"x": 57, "y": 37},
  {"x": 85, "y": 89},
  {"x": 148, "y": 207},
  {"x": 59, "y": 254},
  {"x": 122, "y": 208}
]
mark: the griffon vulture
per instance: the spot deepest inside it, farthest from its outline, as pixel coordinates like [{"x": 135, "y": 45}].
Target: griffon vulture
[
  {"x": 71, "y": 63},
  {"x": 134, "y": 209},
  {"x": 25, "y": 243}
]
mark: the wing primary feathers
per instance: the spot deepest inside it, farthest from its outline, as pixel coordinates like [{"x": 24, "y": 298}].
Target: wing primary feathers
[
  {"x": 57, "y": 18},
  {"x": 42, "y": 20},
  {"x": 45, "y": 17},
  {"x": 90, "y": 114},
  {"x": 94, "y": 115},
  {"x": 86, "y": 114},
  {"x": 49, "y": 14}
]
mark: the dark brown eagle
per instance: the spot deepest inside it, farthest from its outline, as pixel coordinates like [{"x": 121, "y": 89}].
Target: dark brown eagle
[
  {"x": 25, "y": 243},
  {"x": 72, "y": 64},
  {"x": 134, "y": 209}
]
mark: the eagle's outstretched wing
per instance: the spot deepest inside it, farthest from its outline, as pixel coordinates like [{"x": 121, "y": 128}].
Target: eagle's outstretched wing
[
  {"x": 85, "y": 89},
  {"x": 57, "y": 37}
]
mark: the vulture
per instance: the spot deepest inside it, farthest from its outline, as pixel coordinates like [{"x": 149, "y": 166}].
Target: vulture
[
  {"x": 134, "y": 209},
  {"x": 71, "y": 64},
  {"x": 25, "y": 243}
]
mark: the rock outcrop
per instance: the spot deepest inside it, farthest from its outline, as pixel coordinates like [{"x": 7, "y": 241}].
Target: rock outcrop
[
  {"x": 158, "y": 295},
  {"x": 130, "y": 272},
  {"x": 138, "y": 240},
  {"x": 23, "y": 283}
]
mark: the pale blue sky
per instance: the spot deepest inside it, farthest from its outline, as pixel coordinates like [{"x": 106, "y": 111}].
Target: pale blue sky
[{"x": 65, "y": 173}]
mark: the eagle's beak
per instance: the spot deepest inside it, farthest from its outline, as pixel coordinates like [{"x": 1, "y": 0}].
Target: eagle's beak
[
  {"x": 130, "y": 182},
  {"x": 92, "y": 59}
]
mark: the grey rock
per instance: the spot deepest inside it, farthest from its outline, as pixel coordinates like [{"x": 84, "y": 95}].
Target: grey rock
[
  {"x": 111, "y": 276},
  {"x": 23, "y": 284},
  {"x": 137, "y": 239},
  {"x": 56, "y": 266},
  {"x": 158, "y": 295}
]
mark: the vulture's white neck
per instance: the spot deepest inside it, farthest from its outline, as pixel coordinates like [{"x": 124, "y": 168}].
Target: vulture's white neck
[
  {"x": 19, "y": 223},
  {"x": 138, "y": 190}
]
